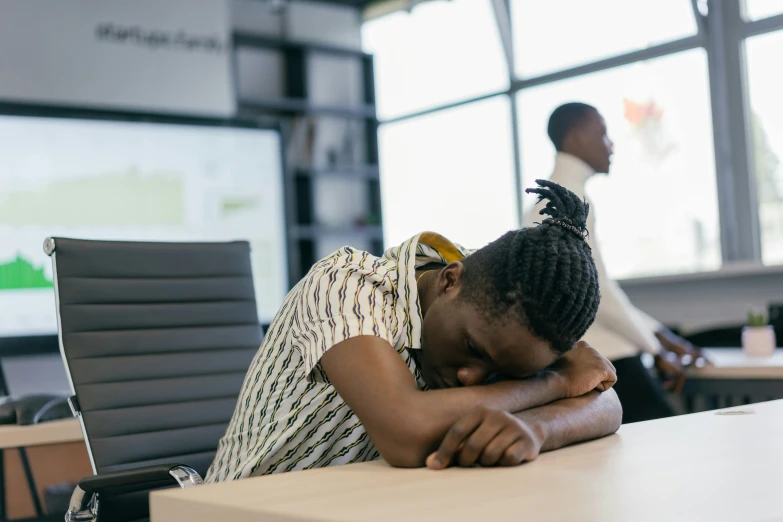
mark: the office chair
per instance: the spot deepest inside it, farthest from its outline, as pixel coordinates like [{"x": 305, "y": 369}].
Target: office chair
[{"x": 156, "y": 340}]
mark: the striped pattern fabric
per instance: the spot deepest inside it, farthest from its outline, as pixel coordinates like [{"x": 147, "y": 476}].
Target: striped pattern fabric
[{"x": 288, "y": 416}]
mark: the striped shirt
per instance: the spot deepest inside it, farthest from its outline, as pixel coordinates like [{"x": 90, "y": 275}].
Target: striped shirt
[{"x": 288, "y": 416}]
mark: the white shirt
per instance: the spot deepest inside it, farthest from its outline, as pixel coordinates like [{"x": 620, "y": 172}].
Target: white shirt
[
  {"x": 620, "y": 329},
  {"x": 288, "y": 415}
]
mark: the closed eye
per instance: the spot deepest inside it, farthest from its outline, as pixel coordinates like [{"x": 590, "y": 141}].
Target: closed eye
[{"x": 474, "y": 351}]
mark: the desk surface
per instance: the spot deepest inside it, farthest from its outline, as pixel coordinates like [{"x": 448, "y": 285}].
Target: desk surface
[
  {"x": 53, "y": 432},
  {"x": 695, "y": 467},
  {"x": 732, "y": 363}
]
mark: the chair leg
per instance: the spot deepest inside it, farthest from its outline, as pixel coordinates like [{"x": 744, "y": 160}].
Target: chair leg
[
  {"x": 2, "y": 485},
  {"x": 82, "y": 509}
]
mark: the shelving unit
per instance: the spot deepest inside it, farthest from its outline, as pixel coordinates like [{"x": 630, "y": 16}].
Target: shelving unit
[
  {"x": 297, "y": 100},
  {"x": 369, "y": 172},
  {"x": 294, "y": 107},
  {"x": 312, "y": 232}
]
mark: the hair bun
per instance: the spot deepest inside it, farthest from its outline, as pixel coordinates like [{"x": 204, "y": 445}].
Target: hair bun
[{"x": 563, "y": 207}]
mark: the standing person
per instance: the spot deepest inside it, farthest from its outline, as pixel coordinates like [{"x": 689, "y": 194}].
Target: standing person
[{"x": 621, "y": 331}]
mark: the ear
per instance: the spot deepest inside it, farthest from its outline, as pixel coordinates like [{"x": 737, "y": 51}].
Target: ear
[
  {"x": 450, "y": 278},
  {"x": 571, "y": 142}
]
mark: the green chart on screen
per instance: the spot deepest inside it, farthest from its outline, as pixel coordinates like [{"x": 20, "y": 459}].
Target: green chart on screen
[{"x": 20, "y": 274}]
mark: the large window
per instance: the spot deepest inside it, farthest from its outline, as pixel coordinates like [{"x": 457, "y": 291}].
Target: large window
[
  {"x": 758, "y": 9},
  {"x": 558, "y": 34},
  {"x": 440, "y": 52},
  {"x": 657, "y": 211},
  {"x": 445, "y": 78},
  {"x": 765, "y": 85},
  {"x": 450, "y": 172}
]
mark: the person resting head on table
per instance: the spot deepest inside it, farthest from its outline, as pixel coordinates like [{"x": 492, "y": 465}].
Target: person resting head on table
[{"x": 430, "y": 355}]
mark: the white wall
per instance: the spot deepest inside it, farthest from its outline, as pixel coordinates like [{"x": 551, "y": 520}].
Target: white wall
[
  {"x": 170, "y": 56},
  {"x": 313, "y": 22},
  {"x": 698, "y": 302}
]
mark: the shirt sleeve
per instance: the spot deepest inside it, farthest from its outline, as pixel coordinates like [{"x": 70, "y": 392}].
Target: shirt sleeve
[
  {"x": 339, "y": 303},
  {"x": 616, "y": 312}
]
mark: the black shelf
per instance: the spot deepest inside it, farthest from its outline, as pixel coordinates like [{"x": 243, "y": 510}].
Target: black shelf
[
  {"x": 295, "y": 102},
  {"x": 242, "y": 39},
  {"x": 293, "y": 106},
  {"x": 314, "y": 232},
  {"x": 366, "y": 172},
  {"x": 29, "y": 345}
]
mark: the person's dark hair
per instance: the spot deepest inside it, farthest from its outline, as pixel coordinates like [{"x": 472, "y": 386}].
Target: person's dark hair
[
  {"x": 565, "y": 118},
  {"x": 543, "y": 276}
]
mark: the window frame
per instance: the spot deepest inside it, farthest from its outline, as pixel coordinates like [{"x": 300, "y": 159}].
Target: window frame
[{"x": 721, "y": 32}]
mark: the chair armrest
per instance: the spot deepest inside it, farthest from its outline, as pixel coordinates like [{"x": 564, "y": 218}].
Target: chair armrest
[
  {"x": 177, "y": 473},
  {"x": 84, "y": 501}
]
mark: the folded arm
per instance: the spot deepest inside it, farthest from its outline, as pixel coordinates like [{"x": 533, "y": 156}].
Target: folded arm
[
  {"x": 406, "y": 424},
  {"x": 497, "y": 438},
  {"x": 569, "y": 421}
]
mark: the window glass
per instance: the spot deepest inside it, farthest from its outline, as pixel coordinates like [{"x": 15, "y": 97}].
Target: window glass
[
  {"x": 765, "y": 86},
  {"x": 656, "y": 212},
  {"x": 450, "y": 172},
  {"x": 558, "y": 34},
  {"x": 439, "y": 53},
  {"x": 758, "y": 9}
]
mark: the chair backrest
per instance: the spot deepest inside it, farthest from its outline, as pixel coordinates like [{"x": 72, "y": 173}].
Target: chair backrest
[{"x": 156, "y": 339}]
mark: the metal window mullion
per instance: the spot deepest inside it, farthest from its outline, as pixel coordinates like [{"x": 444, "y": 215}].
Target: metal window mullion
[
  {"x": 737, "y": 199},
  {"x": 516, "y": 143},
  {"x": 439, "y": 108},
  {"x": 701, "y": 21},
  {"x": 657, "y": 51},
  {"x": 502, "y": 10},
  {"x": 765, "y": 25},
  {"x": 503, "y": 23},
  {"x": 684, "y": 44}
]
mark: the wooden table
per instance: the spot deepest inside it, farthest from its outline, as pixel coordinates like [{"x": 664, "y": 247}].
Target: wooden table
[
  {"x": 52, "y": 432},
  {"x": 694, "y": 467},
  {"x": 732, "y": 363},
  {"x": 736, "y": 378},
  {"x": 22, "y": 438}
]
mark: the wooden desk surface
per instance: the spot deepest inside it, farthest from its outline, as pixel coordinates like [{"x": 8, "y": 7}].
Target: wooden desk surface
[
  {"x": 53, "y": 432},
  {"x": 695, "y": 467},
  {"x": 732, "y": 363}
]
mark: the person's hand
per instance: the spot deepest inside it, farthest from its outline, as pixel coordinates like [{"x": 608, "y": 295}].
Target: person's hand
[
  {"x": 671, "y": 371},
  {"x": 687, "y": 354},
  {"x": 487, "y": 437},
  {"x": 584, "y": 369}
]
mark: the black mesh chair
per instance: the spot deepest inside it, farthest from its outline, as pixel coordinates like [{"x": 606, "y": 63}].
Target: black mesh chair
[{"x": 156, "y": 339}]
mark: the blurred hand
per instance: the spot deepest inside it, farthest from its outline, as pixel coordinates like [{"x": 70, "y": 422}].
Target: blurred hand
[
  {"x": 687, "y": 354},
  {"x": 585, "y": 370},
  {"x": 487, "y": 437},
  {"x": 671, "y": 371}
]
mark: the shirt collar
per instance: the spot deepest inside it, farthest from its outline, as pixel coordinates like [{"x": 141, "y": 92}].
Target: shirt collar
[
  {"x": 421, "y": 249},
  {"x": 571, "y": 171}
]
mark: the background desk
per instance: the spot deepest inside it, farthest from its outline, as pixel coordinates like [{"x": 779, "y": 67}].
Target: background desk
[
  {"x": 54, "y": 432},
  {"x": 734, "y": 379},
  {"x": 694, "y": 467},
  {"x": 34, "y": 457}
]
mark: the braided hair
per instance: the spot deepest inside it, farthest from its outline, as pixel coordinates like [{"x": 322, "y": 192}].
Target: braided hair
[{"x": 544, "y": 276}]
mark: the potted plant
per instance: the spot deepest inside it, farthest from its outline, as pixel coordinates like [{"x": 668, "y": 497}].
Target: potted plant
[{"x": 758, "y": 337}]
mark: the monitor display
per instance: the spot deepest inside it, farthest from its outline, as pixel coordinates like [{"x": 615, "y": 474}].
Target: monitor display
[{"x": 134, "y": 181}]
